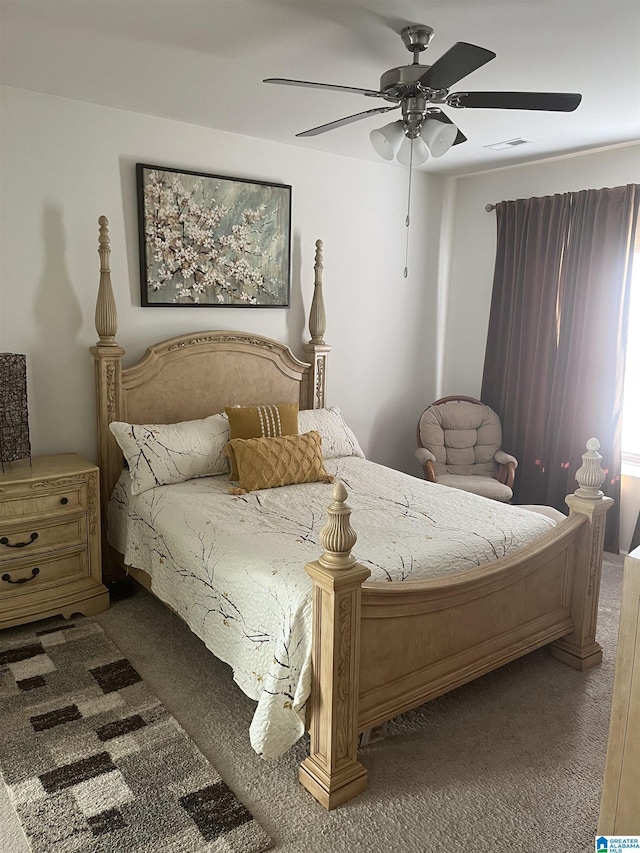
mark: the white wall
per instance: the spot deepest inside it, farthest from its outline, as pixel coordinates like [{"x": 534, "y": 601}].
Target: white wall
[
  {"x": 63, "y": 163},
  {"x": 473, "y": 257}
]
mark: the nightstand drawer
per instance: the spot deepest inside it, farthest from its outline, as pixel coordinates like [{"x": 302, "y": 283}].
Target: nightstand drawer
[
  {"x": 39, "y": 500},
  {"x": 27, "y": 540},
  {"x": 50, "y": 540},
  {"x": 24, "y": 577}
]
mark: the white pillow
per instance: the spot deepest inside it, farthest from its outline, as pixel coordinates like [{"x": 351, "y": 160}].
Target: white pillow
[
  {"x": 161, "y": 454},
  {"x": 337, "y": 438}
]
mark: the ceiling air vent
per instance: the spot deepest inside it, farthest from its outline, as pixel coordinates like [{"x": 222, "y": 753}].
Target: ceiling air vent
[{"x": 508, "y": 143}]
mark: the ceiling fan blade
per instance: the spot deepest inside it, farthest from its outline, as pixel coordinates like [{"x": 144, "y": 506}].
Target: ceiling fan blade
[
  {"x": 347, "y": 120},
  {"x": 556, "y": 101},
  {"x": 456, "y": 63},
  {"x": 284, "y": 82}
]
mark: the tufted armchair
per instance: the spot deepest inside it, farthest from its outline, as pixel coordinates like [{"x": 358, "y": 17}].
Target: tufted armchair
[{"x": 460, "y": 445}]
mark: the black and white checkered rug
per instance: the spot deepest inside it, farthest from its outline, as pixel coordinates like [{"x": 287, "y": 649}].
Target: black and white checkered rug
[{"x": 92, "y": 760}]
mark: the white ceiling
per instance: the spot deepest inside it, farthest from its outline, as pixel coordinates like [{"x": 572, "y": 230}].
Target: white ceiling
[{"x": 203, "y": 62}]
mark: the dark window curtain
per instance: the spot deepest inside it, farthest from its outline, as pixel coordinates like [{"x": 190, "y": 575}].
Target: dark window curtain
[{"x": 554, "y": 364}]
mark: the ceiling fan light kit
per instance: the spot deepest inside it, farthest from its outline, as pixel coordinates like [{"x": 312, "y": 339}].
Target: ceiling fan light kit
[
  {"x": 421, "y": 90},
  {"x": 433, "y": 137}
]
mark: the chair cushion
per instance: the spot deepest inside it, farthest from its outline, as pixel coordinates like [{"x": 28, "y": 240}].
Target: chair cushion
[
  {"x": 463, "y": 437},
  {"x": 488, "y": 487}
]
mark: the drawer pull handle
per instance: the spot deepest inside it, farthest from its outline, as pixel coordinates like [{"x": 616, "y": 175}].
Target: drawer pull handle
[
  {"x": 34, "y": 572},
  {"x": 64, "y": 501},
  {"x": 5, "y": 541}
]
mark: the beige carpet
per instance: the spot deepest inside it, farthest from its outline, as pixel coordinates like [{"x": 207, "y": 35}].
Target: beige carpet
[{"x": 513, "y": 761}]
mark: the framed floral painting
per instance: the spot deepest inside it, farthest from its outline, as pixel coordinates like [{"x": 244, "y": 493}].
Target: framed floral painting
[{"x": 207, "y": 240}]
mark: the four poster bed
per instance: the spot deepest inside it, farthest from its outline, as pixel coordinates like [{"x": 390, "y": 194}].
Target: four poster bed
[{"x": 434, "y": 599}]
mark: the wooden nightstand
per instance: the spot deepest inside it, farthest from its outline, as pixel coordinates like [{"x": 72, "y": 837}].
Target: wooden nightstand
[{"x": 50, "y": 559}]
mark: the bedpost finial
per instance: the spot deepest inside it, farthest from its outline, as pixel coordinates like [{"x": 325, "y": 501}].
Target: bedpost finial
[
  {"x": 590, "y": 475},
  {"x": 339, "y": 492},
  {"x": 103, "y": 239},
  {"x": 337, "y": 536},
  {"x": 104, "y": 249},
  {"x": 317, "y": 316},
  {"x": 106, "y": 316}
]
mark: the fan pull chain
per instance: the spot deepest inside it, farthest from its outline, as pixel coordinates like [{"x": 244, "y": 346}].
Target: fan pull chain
[{"x": 407, "y": 221}]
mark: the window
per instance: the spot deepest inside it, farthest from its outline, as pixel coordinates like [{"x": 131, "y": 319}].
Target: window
[{"x": 631, "y": 405}]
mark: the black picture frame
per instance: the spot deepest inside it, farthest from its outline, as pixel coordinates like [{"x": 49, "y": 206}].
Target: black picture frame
[{"x": 212, "y": 241}]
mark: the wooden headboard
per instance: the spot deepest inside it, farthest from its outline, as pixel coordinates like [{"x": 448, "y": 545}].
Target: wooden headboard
[{"x": 195, "y": 375}]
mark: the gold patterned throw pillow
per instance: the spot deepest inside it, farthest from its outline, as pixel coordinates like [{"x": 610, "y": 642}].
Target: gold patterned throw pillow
[
  {"x": 264, "y": 463},
  {"x": 260, "y": 422}
]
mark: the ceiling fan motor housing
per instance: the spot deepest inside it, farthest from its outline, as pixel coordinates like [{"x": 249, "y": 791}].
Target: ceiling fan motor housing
[
  {"x": 401, "y": 81},
  {"x": 397, "y": 83}
]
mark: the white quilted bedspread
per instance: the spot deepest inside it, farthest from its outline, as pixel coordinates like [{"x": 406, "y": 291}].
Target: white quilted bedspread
[{"x": 233, "y": 566}]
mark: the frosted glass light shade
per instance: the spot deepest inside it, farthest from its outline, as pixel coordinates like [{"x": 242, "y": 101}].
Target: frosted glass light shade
[
  {"x": 438, "y": 135},
  {"x": 386, "y": 140},
  {"x": 420, "y": 151}
]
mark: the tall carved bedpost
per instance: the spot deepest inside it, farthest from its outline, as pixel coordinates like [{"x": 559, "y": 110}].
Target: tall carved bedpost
[
  {"x": 107, "y": 360},
  {"x": 580, "y": 649},
  {"x": 317, "y": 349},
  {"x": 332, "y": 772}
]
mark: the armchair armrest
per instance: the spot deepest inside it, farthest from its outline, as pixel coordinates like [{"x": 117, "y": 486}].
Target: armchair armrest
[
  {"x": 423, "y": 456},
  {"x": 507, "y": 465},
  {"x": 503, "y": 458},
  {"x": 426, "y": 459}
]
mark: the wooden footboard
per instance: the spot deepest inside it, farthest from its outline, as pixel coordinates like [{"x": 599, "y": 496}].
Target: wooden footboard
[
  {"x": 417, "y": 643},
  {"x": 380, "y": 649}
]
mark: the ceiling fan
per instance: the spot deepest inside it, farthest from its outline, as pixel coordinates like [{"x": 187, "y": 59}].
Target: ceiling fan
[{"x": 421, "y": 90}]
